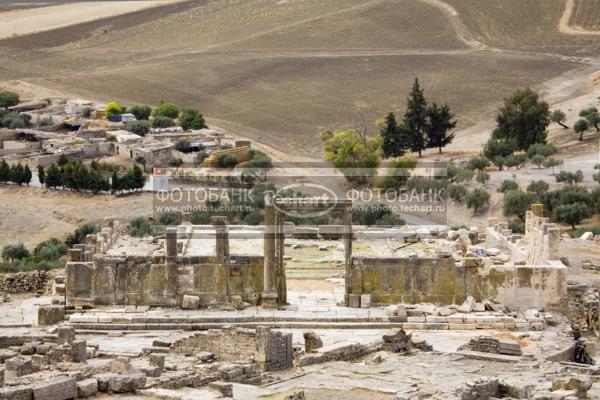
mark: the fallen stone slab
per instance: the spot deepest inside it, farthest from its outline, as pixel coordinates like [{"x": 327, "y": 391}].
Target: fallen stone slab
[
  {"x": 61, "y": 388},
  {"x": 223, "y": 388},
  {"x": 50, "y": 314},
  {"x": 16, "y": 393},
  {"x": 87, "y": 387},
  {"x": 476, "y": 355}
]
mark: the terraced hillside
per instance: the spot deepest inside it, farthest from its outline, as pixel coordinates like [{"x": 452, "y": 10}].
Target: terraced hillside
[{"x": 279, "y": 71}]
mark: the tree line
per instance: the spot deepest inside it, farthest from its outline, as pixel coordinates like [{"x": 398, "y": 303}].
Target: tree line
[
  {"x": 75, "y": 175},
  {"x": 17, "y": 173}
]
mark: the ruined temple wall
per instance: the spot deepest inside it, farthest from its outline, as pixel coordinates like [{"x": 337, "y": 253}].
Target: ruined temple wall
[
  {"x": 408, "y": 280},
  {"x": 215, "y": 279},
  {"x": 271, "y": 350},
  {"x": 150, "y": 280},
  {"x": 443, "y": 281},
  {"x": 523, "y": 286}
]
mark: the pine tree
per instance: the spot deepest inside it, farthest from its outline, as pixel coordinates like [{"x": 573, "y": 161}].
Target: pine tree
[
  {"x": 53, "y": 177},
  {"x": 415, "y": 123},
  {"x": 114, "y": 183},
  {"x": 4, "y": 171},
  {"x": 138, "y": 178},
  {"x": 26, "y": 177},
  {"x": 41, "y": 174},
  {"x": 440, "y": 125},
  {"x": 393, "y": 143}
]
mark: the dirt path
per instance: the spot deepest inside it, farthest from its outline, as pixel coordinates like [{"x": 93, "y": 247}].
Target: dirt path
[
  {"x": 565, "y": 22},
  {"x": 31, "y": 20},
  {"x": 460, "y": 28}
]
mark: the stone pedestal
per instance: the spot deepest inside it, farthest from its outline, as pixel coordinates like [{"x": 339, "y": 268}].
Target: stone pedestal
[
  {"x": 269, "y": 296},
  {"x": 222, "y": 235}
]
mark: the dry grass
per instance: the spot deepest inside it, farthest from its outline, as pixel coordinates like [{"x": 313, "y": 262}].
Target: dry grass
[{"x": 586, "y": 15}]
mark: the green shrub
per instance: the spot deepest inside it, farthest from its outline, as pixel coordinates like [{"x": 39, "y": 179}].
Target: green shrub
[
  {"x": 227, "y": 161},
  {"x": 141, "y": 111},
  {"x": 13, "y": 252},
  {"x": 200, "y": 218},
  {"x": 170, "y": 219},
  {"x": 139, "y": 127},
  {"x": 140, "y": 227},
  {"x": 457, "y": 192},
  {"x": 78, "y": 236},
  {"x": 163, "y": 122},
  {"x": 169, "y": 110},
  {"x": 541, "y": 149},
  {"x": 477, "y": 199},
  {"x": 113, "y": 108},
  {"x": 508, "y": 185},
  {"x": 516, "y": 226},
  {"x": 254, "y": 218},
  {"x": 51, "y": 249}
]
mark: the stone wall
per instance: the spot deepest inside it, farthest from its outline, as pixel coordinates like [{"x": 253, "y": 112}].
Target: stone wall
[
  {"x": 407, "y": 280},
  {"x": 25, "y": 282},
  {"x": 447, "y": 281},
  {"x": 151, "y": 280},
  {"x": 269, "y": 349}
]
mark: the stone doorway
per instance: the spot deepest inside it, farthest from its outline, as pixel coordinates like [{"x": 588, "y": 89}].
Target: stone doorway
[{"x": 275, "y": 286}]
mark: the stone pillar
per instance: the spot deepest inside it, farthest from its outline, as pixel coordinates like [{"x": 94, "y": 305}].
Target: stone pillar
[
  {"x": 74, "y": 255},
  {"x": 554, "y": 244},
  {"x": 90, "y": 242},
  {"x": 279, "y": 251},
  {"x": 222, "y": 236},
  {"x": 171, "y": 265},
  {"x": 347, "y": 238},
  {"x": 269, "y": 295}
]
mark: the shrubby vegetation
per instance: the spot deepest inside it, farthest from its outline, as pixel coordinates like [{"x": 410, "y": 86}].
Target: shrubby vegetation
[
  {"x": 8, "y": 99},
  {"x": 168, "y": 110},
  {"x": 141, "y": 111},
  {"x": 139, "y": 127}
]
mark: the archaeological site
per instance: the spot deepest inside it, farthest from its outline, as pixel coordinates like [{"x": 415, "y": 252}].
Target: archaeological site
[{"x": 299, "y": 199}]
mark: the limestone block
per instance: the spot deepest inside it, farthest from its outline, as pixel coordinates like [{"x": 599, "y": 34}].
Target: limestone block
[
  {"x": 365, "y": 300},
  {"x": 121, "y": 365},
  {"x": 311, "y": 341},
  {"x": 462, "y": 327},
  {"x": 237, "y": 302},
  {"x": 492, "y": 252},
  {"x": 16, "y": 393},
  {"x": 413, "y": 325},
  {"x": 190, "y": 302},
  {"x": 87, "y": 387},
  {"x": 401, "y": 313},
  {"x": 467, "y": 306},
  {"x": 391, "y": 310},
  {"x": 50, "y": 314},
  {"x": 354, "y": 300},
  {"x": 587, "y": 236},
  {"x": 157, "y": 360},
  {"x": 224, "y": 389},
  {"x": 79, "y": 350},
  {"x": 452, "y": 235},
  {"x": 104, "y": 381},
  {"x": 65, "y": 333},
  {"x": 433, "y": 319},
  {"x": 127, "y": 383},
  {"x": 18, "y": 366},
  {"x": 61, "y": 388},
  {"x": 479, "y": 307}
]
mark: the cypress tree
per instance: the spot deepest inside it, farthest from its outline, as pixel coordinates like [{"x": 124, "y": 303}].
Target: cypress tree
[
  {"x": 440, "y": 125},
  {"x": 41, "y": 174},
  {"x": 53, "y": 177},
  {"x": 115, "y": 185},
  {"x": 415, "y": 124},
  {"x": 394, "y": 144},
  {"x": 4, "y": 171},
  {"x": 26, "y": 177}
]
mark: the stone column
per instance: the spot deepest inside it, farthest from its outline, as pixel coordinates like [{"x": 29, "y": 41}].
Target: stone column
[
  {"x": 171, "y": 265},
  {"x": 538, "y": 209},
  {"x": 269, "y": 295},
  {"x": 279, "y": 251},
  {"x": 347, "y": 238},
  {"x": 171, "y": 244},
  {"x": 74, "y": 255},
  {"x": 222, "y": 236},
  {"x": 554, "y": 244}
]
